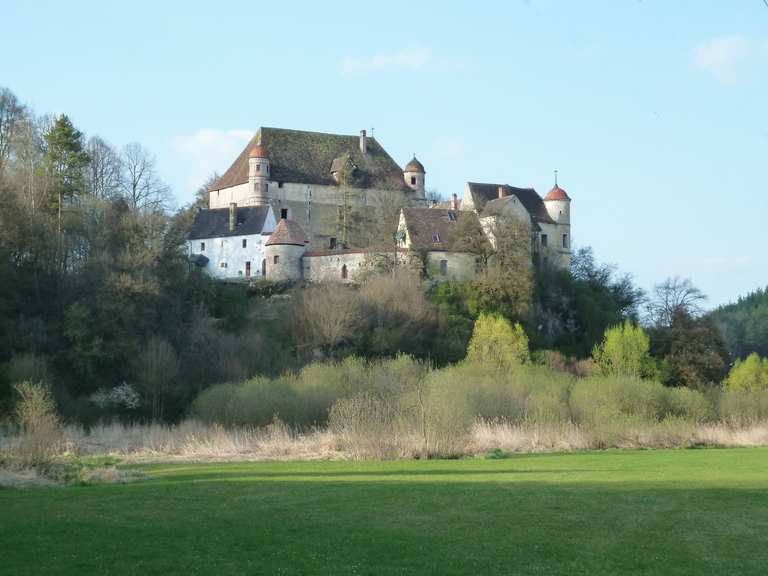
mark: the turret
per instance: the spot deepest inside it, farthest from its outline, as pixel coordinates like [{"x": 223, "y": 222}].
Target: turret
[
  {"x": 414, "y": 177},
  {"x": 258, "y": 177},
  {"x": 284, "y": 251},
  {"x": 558, "y": 205}
]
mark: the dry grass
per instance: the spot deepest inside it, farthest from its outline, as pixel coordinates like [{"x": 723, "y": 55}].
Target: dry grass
[
  {"x": 195, "y": 441},
  {"x": 23, "y": 478}
]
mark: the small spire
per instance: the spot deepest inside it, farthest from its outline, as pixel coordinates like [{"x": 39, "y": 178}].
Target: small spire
[{"x": 555, "y": 178}]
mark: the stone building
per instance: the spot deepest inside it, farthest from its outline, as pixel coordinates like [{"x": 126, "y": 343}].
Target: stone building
[
  {"x": 342, "y": 190},
  {"x": 324, "y": 207}
]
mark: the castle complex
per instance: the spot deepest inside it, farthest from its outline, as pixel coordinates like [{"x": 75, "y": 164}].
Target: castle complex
[{"x": 306, "y": 205}]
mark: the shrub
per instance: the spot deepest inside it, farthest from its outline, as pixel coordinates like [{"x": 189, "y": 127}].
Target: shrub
[
  {"x": 750, "y": 374},
  {"x": 38, "y": 422},
  {"x": 691, "y": 405},
  {"x": 624, "y": 352},
  {"x": 602, "y": 398},
  {"x": 498, "y": 343}
]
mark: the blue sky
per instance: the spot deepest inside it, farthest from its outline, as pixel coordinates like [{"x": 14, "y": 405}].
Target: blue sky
[{"x": 655, "y": 113}]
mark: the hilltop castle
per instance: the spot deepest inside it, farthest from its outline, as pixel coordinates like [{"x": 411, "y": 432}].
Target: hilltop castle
[{"x": 307, "y": 205}]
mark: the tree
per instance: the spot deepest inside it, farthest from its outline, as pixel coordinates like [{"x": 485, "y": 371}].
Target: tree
[
  {"x": 691, "y": 350},
  {"x": 66, "y": 160},
  {"x": 103, "y": 173},
  {"x": 624, "y": 352},
  {"x": 672, "y": 296},
  {"x": 571, "y": 310},
  {"x": 496, "y": 342},
  {"x": 156, "y": 368},
  {"x": 12, "y": 113},
  {"x": 141, "y": 185},
  {"x": 750, "y": 374}
]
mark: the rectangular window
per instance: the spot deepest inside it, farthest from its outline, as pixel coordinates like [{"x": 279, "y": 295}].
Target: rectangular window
[
  {"x": 436, "y": 238},
  {"x": 202, "y": 246},
  {"x": 565, "y": 240},
  {"x": 245, "y": 243},
  {"x": 284, "y": 213},
  {"x": 223, "y": 264},
  {"x": 248, "y": 269},
  {"x": 279, "y": 184},
  {"x": 332, "y": 243},
  {"x": 413, "y": 180},
  {"x": 451, "y": 216},
  {"x": 276, "y": 259},
  {"x": 443, "y": 267},
  {"x": 258, "y": 167},
  {"x": 544, "y": 240}
]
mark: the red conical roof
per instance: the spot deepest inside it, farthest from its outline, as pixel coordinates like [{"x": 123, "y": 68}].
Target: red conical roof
[
  {"x": 257, "y": 152},
  {"x": 556, "y": 193}
]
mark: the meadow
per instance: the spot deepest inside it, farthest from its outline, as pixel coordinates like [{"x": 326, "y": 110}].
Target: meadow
[{"x": 610, "y": 512}]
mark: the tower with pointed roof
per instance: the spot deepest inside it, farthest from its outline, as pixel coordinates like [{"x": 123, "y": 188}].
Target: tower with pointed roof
[
  {"x": 558, "y": 205},
  {"x": 258, "y": 177},
  {"x": 414, "y": 177}
]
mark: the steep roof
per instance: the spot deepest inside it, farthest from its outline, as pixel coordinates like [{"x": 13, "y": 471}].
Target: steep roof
[
  {"x": 306, "y": 158},
  {"x": 556, "y": 193},
  {"x": 287, "y": 232},
  {"x": 414, "y": 166},
  {"x": 528, "y": 197},
  {"x": 215, "y": 223},
  {"x": 437, "y": 228},
  {"x": 497, "y": 207}
]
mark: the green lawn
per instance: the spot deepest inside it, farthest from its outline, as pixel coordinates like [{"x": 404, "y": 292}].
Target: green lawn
[{"x": 620, "y": 512}]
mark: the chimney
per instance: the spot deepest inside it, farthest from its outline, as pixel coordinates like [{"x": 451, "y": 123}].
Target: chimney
[
  {"x": 232, "y": 216},
  {"x": 455, "y": 203},
  {"x": 501, "y": 192},
  {"x": 363, "y": 142}
]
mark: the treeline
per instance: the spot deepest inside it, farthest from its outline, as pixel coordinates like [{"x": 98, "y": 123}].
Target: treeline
[{"x": 744, "y": 324}]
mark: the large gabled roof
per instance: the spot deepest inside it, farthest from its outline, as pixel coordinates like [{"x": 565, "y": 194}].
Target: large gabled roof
[
  {"x": 306, "y": 158},
  {"x": 215, "y": 223},
  {"x": 438, "y": 228},
  {"x": 528, "y": 197}
]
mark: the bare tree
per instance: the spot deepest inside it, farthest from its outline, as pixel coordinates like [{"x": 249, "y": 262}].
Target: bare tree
[
  {"x": 326, "y": 316},
  {"x": 672, "y": 296},
  {"x": 141, "y": 185},
  {"x": 103, "y": 171},
  {"x": 12, "y": 113}
]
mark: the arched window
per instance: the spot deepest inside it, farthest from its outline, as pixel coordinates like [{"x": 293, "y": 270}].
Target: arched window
[{"x": 344, "y": 272}]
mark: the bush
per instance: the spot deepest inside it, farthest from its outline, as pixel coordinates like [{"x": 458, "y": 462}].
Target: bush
[
  {"x": 750, "y": 374},
  {"x": 496, "y": 342},
  {"x": 624, "y": 352},
  {"x": 38, "y": 422}
]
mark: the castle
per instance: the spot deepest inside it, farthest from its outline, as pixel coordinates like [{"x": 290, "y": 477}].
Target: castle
[{"x": 307, "y": 205}]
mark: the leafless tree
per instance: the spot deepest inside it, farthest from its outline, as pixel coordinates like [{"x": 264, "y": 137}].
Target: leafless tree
[
  {"x": 141, "y": 185},
  {"x": 672, "y": 296},
  {"x": 326, "y": 316},
  {"x": 103, "y": 172},
  {"x": 12, "y": 113}
]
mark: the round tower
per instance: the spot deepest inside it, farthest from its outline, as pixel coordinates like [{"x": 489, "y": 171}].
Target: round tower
[
  {"x": 414, "y": 177},
  {"x": 284, "y": 251},
  {"x": 258, "y": 177},
  {"x": 558, "y": 205}
]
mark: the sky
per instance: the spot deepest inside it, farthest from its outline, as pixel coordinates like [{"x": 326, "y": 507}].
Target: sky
[{"x": 654, "y": 112}]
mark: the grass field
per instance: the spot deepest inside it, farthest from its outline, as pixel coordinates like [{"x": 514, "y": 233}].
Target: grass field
[{"x": 617, "y": 512}]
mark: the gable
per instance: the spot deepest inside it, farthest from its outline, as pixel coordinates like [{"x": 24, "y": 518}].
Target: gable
[{"x": 483, "y": 194}]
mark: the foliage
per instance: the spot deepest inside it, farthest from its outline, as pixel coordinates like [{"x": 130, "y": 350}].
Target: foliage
[
  {"x": 744, "y": 324},
  {"x": 498, "y": 343},
  {"x": 36, "y": 416},
  {"x": 571, "y": 310},
  {"x": 691, "y": 350},
  {"x": 749, "y": 374},
  {"x": 624, "y": 352}
]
